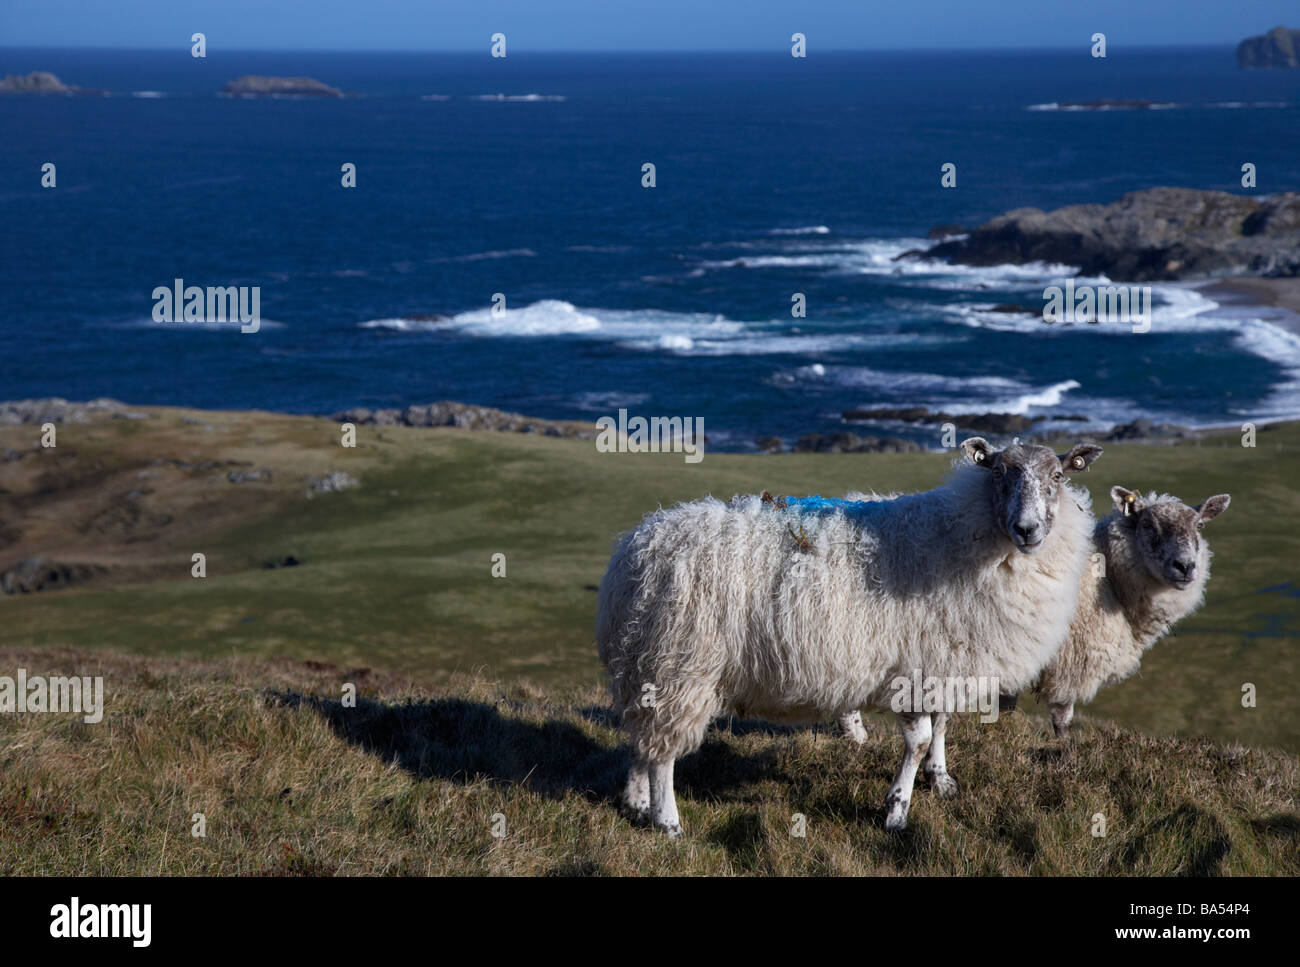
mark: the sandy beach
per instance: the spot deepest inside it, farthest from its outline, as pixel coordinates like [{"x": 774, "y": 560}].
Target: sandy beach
[{"x": 1276, "y": 293}]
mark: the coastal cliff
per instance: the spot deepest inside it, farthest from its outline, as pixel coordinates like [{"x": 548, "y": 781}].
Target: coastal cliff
[{"x": 1151, "y": 235}]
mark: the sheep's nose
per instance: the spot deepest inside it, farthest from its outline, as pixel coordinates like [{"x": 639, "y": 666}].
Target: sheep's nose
[
  {"x": 1185, "y": 568},
  {"x": 1026, "y": 532}
]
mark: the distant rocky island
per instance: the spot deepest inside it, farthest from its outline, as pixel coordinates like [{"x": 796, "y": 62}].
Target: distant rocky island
[
  {"x": 1158, "y": 234},
  {"x": 1280, "y": 47},
  {"x": 1113, "y": 104},
  {"x": 41, "y": 82},
  {"x": 254, "y": 85}
]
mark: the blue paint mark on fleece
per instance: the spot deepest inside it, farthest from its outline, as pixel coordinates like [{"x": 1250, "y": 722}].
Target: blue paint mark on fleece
[{"x": 818, "y": 504}]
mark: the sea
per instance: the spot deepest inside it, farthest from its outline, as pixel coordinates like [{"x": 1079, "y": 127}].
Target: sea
[{"x": 500, "y": 246}]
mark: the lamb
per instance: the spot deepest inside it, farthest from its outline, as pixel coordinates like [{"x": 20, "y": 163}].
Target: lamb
[
  {"x": 806, "y": 610},
  {"x": 1150, "y": 569}
]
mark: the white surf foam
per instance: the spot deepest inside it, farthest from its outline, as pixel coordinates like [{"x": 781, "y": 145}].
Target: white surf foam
[
  {"x": 653, "y": 330},
  {"x": 805, "y": 230},
  {"x": 521, "y": 98},
  {"x": 951, "y": 394},
  {"x": 877, "y": 257},
  {"x": 1180, "y": 309}
]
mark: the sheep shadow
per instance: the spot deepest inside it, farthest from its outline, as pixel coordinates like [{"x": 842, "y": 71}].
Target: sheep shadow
[
  {"x": 464, "y": 741},
  {"x": 716, "y": 767},
  {"x": 1190, "y": 840}
]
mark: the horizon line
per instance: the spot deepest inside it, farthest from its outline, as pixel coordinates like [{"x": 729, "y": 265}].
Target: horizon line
[{"x": 779, "y": 49}]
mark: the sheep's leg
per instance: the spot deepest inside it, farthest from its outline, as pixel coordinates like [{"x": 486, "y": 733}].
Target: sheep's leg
[
  {"x": 663, "y": 804},
  {"x": 636, "y": 798},
  {"x": 1062, "y": 713},
  {"x": 851, "y": 727},
  {"x": 935, "y": 766},
  {"x": 916, "y": 742}
]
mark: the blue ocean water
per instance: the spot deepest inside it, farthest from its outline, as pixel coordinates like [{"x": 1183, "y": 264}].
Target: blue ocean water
[{"x": 522, "y": 176}]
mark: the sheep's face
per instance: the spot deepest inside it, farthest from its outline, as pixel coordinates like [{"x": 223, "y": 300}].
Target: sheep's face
[
  {"x": 1025, "y": 483},
  {"x": 1166, "y": 533}
]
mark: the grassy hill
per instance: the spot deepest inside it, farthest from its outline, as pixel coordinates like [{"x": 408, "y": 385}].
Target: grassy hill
[
  {"x": 396, "y": 574},
  {"x": 411, "y": 780}
]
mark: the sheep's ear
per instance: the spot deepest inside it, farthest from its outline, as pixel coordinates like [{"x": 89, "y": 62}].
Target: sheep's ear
[
  {"x": 1079, "y": 458},
  {"x": 1126, "y": 501},
  {"x": 977, "y": 450},
  {"x": 1212, "y": 507}
]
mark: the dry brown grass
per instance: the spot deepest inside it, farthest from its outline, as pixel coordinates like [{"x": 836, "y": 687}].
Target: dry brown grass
[{"x": 408, "y": 782}]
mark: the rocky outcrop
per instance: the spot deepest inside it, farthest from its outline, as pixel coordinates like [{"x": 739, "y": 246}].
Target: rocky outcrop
[
  {"x": 41, "y": 574},
  {"x": 1144, "y": 429},
  {"x": 998, "y": 424},
  {"x": 466, "y": 417},
  {"x": 852, "y": 443},
  {"x": 40, "y": 82},
  {"x": 331, "y": 483},
  {"x": 254, "y": 85},
  {"x": 1280, "y": 47},
  {"x": 262, "y": 475},
  {"x": 1151, "y": 235},
  {"x": 57, "y": 410}
]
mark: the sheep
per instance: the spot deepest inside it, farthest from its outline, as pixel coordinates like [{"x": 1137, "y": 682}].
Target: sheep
[
  {"x": 1150, "y": 569},
  {"x": 806, "y": 610}
]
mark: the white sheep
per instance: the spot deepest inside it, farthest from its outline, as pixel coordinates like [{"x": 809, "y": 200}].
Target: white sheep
[
  {"x": 814, "y": 609},
  {"x": 1150, "y": 568}
]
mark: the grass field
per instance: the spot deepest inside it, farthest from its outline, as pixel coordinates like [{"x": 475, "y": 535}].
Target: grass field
[
  {"x": 396, "y": 574},
  {"x": 413, "y": 780},
  {"x": 481, "y": 698}
]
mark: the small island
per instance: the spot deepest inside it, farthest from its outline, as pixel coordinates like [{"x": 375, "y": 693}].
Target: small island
[
  {"x": 1280, "y": 47},
  {"x": 40, "y": 82},
  {"x": 1113, "y": 104},
  {"x": 254, "y": 85}
]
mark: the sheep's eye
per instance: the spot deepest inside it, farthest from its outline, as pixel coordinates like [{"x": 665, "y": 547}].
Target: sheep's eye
[{"x": 1058, "y": 476}]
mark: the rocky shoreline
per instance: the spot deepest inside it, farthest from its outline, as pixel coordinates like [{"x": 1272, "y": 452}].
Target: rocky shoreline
[
  {"x": 1158, "y": 234},
  {"x": 485, "y": 419}
]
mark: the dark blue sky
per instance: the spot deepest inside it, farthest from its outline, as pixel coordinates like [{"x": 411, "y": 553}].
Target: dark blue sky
[{"x": 633, "y": 24}]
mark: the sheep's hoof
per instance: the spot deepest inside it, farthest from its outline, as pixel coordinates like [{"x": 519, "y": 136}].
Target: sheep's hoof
[
  {"x": 896, "y": 819},
  {"x": 850, "y": 726},
  {"x": 944, "y": 785},
  {"x": 673, "y": 830},
  {"x": 637, "y": 815}
]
